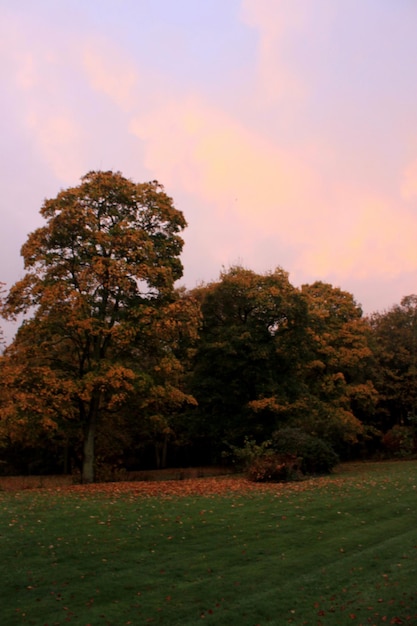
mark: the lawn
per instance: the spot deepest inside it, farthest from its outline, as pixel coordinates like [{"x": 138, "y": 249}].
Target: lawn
[{"x": 326, "y": 551}]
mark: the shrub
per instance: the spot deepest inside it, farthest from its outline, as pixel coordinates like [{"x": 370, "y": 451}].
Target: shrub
[
  {"x": 317, "y": 456},
  {"x": 287, "y": 456},
  {"x": 106, "y": 472},
  {"x": 274, "y": 468},
  {"x": 399, "y": 441},
  {"x": 243, "y": 457}
]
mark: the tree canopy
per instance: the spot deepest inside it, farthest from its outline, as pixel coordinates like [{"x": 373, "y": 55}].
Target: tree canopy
[
  {"x": 108, "y": 254},
  {"x": 112, "y": 360},
  {"x": 338, "y": 366},
  {"x": 394, "y": 334},
  {"x": 246, "y": 361}
]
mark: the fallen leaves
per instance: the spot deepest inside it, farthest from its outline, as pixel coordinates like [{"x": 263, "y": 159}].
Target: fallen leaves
[
  {"x": 162, "y": 552},
  {"x": 208, "y": 486}
]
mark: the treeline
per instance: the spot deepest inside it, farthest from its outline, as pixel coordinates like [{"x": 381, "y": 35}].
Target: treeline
[{"x": 115, "y": 369}]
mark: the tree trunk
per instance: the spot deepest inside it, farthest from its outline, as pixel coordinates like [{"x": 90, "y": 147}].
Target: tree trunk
[
  {"x": 88, "y": 473},
  {"x": 67, "y": 461},
  {"x": 88, "y": 468},
  {"x": 164, "y": 452},
  {"x": 158, "y": 455}
]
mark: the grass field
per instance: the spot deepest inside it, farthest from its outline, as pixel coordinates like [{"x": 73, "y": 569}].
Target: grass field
[{"x": 327, "y": 551}]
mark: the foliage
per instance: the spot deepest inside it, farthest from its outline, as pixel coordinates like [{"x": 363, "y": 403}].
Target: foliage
[
  {"x": 394, "y": 334},
  {"x": 243, "y": 456},
  {"x": 273, "y": 467},
  {"x": 270, "y": 356},
  {"x": 289, "y": 454},
  {"x": 338, "y": 366},
  {"x": 400, "y": 441},
  {"x": 245, "y": 368},
  {"x": 261, "y": 462},
  {"x": 160, "y": 397},
  {"x": 2, "y": 292},
  {"x": 332, "y": 550},
  {"x": 113, "y": 362},
  {"x": 315, "y": 455},
  {"x": 96, "y": 273}
]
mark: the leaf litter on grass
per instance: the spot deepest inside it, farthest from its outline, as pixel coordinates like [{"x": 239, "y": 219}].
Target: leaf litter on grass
[{"x": 170, "y": 526}]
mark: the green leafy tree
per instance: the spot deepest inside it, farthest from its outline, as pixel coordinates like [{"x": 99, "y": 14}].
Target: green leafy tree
[
  {"x": 246, "y": 365},
  {"x": 95, "y": 274},
  {"x": 394, "y": 335}
]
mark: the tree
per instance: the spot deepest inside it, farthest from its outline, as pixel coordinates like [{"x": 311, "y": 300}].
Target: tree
[
  {"x": 105, "y": 261},
  {"x": 165, "y": 351},
  {"x": 1, "y": 329},
  {"x": 394, "y": 337},
  {"x": 245, "y": 369},
  {"x": 338, "y": 366}
]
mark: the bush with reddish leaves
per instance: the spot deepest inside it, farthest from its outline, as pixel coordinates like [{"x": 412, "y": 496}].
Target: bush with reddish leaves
[
  {"x": 290, "y": 454},
  {"x": 274, "y": 468},
  {"x": 400, "y": 441}
]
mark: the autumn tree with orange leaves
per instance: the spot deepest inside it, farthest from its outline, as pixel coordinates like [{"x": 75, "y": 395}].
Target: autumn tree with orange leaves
[
  {"x": 271, "y": 356},
  {"x": 97, "y": 278},
  {"x": 340, "y": 397},
  {"x": 2, "y": 291}
]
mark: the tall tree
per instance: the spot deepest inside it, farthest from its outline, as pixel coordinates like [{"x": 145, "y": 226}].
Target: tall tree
[
  {"x": 338, "y": 365},
  {"x": 165, "y": 351},
  {"x": 245, "y": 369},
  {"x": 2, "y": 292},
  {"x": 106, "y": 259},
  {"x": 394, "y": 334}
]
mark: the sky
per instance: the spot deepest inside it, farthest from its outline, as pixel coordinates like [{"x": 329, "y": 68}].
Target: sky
[{"x": 284, "y": 130}]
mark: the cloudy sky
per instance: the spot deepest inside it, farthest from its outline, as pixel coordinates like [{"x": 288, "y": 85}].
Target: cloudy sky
[{"x": 285, "y": 130}]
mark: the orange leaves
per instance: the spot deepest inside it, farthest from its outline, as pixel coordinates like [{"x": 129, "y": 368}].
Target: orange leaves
[
  {"x": 35, "y": 398},
  {"x": 2, "y": 291},
  {"x": 269, "y": 404},
  {"x": 168, "y": 489},
  {"x": 224, "y": 485},
  {"x": 95, "y": 274},
  {"x": 101, "y": 239},
  {"x": 167, "y": 395}
]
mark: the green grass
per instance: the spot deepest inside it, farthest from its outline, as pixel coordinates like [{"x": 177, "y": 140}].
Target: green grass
[{"x": 333, "y": 551}]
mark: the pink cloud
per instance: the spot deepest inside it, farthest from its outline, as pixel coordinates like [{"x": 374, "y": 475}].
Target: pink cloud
[
  {"x": 289, "y": 166},
  {"x": 268, "y": 191},
  {"x": 277, "y": 25},
  {"x": 51, "y": 133},
  {"x": 110, "y": 72},
  {"x": 213, "y": 155},
  {"x": 409, "y": 182},
  {"x": 376, "y": 240}
]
